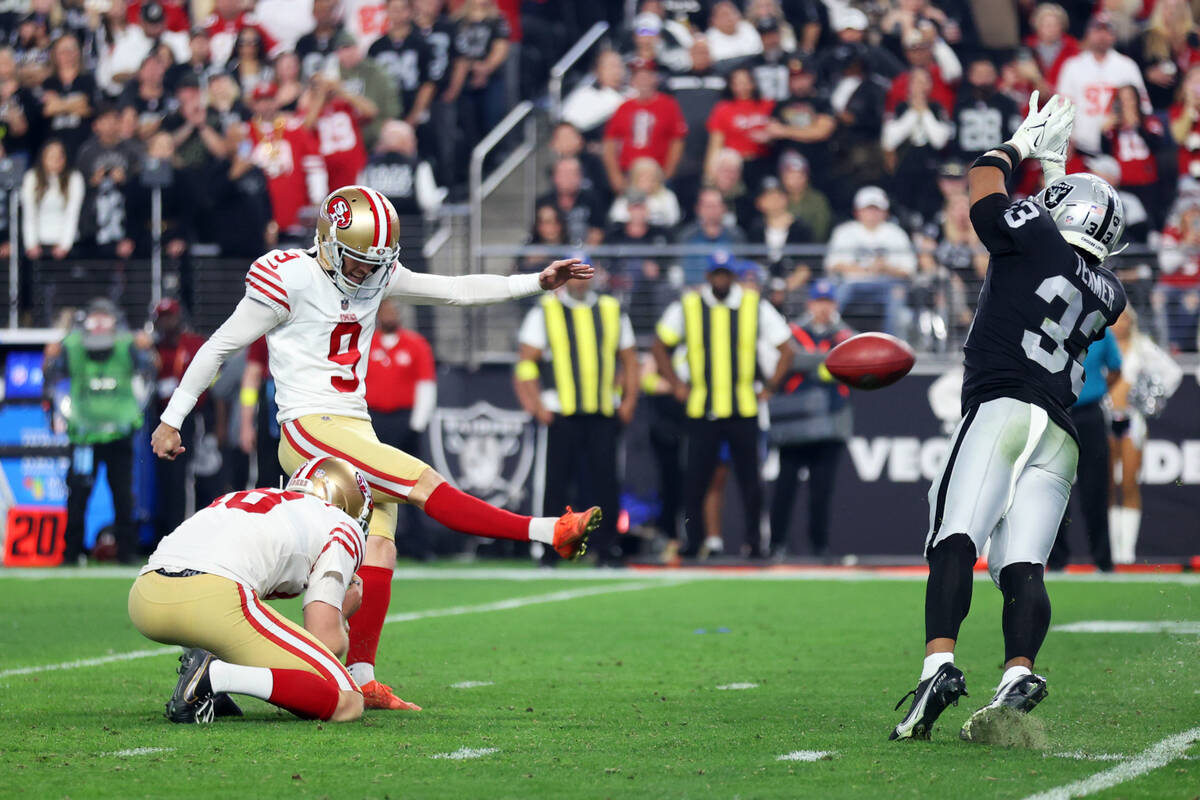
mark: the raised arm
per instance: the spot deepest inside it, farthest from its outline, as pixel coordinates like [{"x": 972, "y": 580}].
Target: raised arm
[
  {"x": 250, "y": 320},
  {"x": 478, "y": 290}
]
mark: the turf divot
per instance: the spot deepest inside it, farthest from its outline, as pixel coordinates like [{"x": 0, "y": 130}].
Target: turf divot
[{"x": 464, "y": 753}]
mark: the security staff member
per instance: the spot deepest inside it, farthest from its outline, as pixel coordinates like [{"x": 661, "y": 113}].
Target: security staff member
[
  {"x": 724, "y": 326},
  {"x": 1101, "y": 368},
  {"x": 587, "y": 343},
  {"x": 811, "y": 421},
  {"x": 101, "y": 358}
]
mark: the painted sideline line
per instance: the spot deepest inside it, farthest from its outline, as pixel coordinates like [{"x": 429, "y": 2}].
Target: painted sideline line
[
  {"x": 1129, "y": 626},
  {"x": 411, "y": 616},
  {"x": 1157, "y": 755},
  {"x": 847, "y": 574}
]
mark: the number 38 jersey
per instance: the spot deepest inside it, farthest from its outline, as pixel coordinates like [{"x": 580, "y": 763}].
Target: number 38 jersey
[
  {"x": 276, "y": 542},
  {"x": 1040, "y": 308},
  {"x": 318, "y": 352}
]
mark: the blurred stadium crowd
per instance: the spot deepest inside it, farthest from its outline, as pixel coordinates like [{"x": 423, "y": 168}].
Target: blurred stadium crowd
[{"x": 823, "y": 143}]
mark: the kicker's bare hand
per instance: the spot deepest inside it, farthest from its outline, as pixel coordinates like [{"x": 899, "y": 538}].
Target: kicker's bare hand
[
  {"x": 562, "y": 271},
  {"x": 166, "y": 442}
]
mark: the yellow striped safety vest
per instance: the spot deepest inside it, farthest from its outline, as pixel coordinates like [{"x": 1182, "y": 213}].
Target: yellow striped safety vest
[
  {"x": 722, "y": 353},
  {"x": 583, "y": 350}
]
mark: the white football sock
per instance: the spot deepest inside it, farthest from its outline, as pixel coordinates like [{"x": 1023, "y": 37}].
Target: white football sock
[
  {"x": 1131, "y": 527},
  {"x": 362, "y": 672},
  {"x": 1116, "y": 538},
  {"x": 1012, "y": 673},
  {"x": 933, "y": 662},
  {"x": 240, "y": 679},
  {"x": 541, "y": 529}
]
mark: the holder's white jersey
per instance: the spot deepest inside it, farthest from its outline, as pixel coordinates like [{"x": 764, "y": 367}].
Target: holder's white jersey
[
  {"x": 318, "y": 352},
  {"x": 276, "y": 542}
]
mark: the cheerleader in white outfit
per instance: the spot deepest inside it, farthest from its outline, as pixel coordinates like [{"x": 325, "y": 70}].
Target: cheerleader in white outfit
[{"x": 1148, "y": 377}]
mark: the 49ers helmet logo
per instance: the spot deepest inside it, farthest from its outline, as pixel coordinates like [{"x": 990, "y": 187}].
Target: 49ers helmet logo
[{"x": 339, "y": 212}]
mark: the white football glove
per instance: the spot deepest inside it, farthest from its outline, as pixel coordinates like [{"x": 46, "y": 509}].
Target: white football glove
[
  {"x": 1030, "y": 136},
  {"x": 1053, "y": 151}
]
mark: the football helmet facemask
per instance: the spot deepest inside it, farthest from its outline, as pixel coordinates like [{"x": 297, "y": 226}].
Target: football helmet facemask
[
  {"x": 360, "y": 223},
  {"x": 338, "y": 483}
]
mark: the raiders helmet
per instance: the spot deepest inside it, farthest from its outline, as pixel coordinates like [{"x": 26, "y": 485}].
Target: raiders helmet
[
  {"x": 361, "y": 223},
  {"x": 1088, "y": 212},
  {"x": 336, "y": 482}
]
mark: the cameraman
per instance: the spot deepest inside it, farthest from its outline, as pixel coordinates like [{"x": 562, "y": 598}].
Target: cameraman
[{"x": 100, "y": 356}]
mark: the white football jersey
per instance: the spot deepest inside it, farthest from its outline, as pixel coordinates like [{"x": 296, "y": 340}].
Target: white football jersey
[
  {"x": 318, "y": 352},
  {"x": 1091, "y": 85},
  {"x": 276, "y": 542}
]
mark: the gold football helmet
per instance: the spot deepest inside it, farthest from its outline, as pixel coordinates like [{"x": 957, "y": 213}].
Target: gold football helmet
[
  {"x": 360, "y": 223},
  {"x": 338, "y": 483}
]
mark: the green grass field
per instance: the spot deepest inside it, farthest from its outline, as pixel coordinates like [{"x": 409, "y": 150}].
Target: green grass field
[{"x": 609, "y": 686}]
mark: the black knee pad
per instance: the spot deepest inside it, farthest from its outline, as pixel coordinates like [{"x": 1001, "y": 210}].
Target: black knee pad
[
  {"x": 1026, "y": 617},
  {"x": 948, "y": 591}
]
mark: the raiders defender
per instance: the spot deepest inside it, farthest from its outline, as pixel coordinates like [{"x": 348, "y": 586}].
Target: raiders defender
[{"x": 1046, "y": 297}]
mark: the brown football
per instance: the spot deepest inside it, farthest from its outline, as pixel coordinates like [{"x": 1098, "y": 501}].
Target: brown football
[{"x": 870, "y": 360}]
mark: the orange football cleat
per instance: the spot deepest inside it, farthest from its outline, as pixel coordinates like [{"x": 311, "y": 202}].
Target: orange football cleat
[
  {"x": 572, "y": 530},
  {"x": 379, "y": 695}
]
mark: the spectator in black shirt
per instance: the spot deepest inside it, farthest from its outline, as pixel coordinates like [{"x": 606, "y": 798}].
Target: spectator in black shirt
[
  {"x": 147, "y": 96},
  {"x": 776, "y": 227},
  {"x": 851, "y": 27},
  {"x": 549, "y": 229},
  {"x": 31, "y": 49},
  {"x": 696, "y": 92},
  {"x": 20, "y": 112},
  {"x": 248, "y": 65},
  {"x": 913, "y": 137},
  {"x": 109, "y": 163},
  {"x": 196, "y": 137},
  {"x": 567, "y": 142},
  {"x": 582, "y": 210},
  {"x": 640, "y": 277},
  {"x": 983, "y": 116},
  {"x": 316, "y": 47},
  {"x": 803, "y": 121},
  {"x": 405, "y": 57},
  {"x": 481, "y": 46},
  {"x": 199, "y": 63},
  {"x": 770, "y": 67},
  {"x": 67, "y": 96},
  {"x": 433, "y": 138}
]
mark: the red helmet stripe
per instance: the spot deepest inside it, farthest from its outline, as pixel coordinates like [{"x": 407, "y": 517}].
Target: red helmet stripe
[
  {"x": 375, "y": 211},
  {"x": 383, "y": 204}
]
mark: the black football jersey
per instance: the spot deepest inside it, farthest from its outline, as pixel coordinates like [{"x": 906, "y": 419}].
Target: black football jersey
[{"x": 1040, "y": 307}]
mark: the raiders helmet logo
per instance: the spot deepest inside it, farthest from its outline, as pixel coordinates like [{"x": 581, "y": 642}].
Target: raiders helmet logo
[
  {"x": 339, "y": 212},
  {"x": 1057, "y": 193}
]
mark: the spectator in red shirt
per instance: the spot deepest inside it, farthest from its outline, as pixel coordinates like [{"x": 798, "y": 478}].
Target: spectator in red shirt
[
  {"x": 648, "y": 124},
  {"x": 289, "y": 156},
  {"x": 1135, "y": 141},
  {"x": 1048, "y": 48},
  {"x": 401, "y": 396},
  {"x": 176, "y": 346},
  {"x": 336, "y": 117},
  {"x": 1184, "y": 121},
  {"x": 225, "y": 23},
  {"x": 918, "y": 49},
  {"x": 740, "y": 122}
]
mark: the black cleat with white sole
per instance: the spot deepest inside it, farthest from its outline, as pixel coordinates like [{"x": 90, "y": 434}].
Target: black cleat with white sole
[
  {"x": 192, "y": 700},
  {"x": 1021, "y": 694},
  {"x": 931, "y": 697}
]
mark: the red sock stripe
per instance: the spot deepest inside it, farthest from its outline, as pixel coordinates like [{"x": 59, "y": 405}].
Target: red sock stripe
[
  {"x": 306, "y": 695},
  {"x": 466, "y": 514},
  {"x": 263, "y": 621},
  {"x": 376, "y": 477},
  {"x": 367, "y": 624}
]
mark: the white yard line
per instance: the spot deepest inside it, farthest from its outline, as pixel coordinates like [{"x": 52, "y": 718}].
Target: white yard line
[
  {"x": 471, "y": 684},
  {"x": 736, "y": 686},
  {"x": 1080, "y": 755},
  {"x": 463, "y": 753},
  {"x": 783, "y": 573},
  {"x": 1157, "y": 755},
  {"x": 805, "y": 755},
  {"x": 139, "y": 751},
  {"x": 411, "y": 616},
  {"x": 1129, "y": 626}
]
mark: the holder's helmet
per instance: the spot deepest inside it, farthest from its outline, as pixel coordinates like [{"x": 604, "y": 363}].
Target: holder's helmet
[{"x": 338, "y": 483}]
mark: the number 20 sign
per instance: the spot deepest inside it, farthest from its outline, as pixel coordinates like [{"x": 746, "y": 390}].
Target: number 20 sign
[{"x": 34, "y": 536}]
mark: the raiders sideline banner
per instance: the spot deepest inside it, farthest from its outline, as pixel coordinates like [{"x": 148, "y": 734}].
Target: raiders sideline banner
[{"x": 483, "y": 443}]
